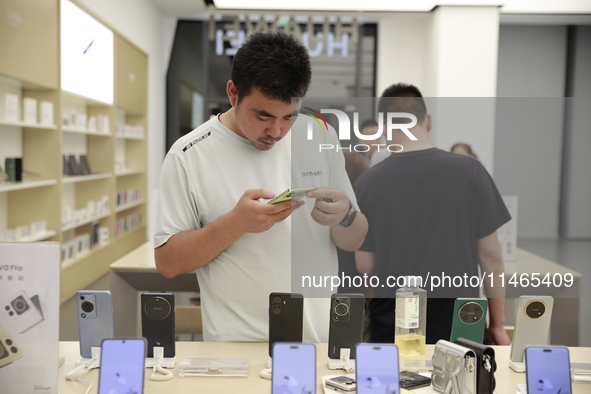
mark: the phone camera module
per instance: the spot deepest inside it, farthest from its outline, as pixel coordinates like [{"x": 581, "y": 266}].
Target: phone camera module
[
  {"x": 20, "y": 305},
  {"x": 87, "y": 307},
  {"x": 535, "y": 309},
  {"x": 277, "y": 311},
  {"x": 341, "y": 309},
  {"x": 277, "y": 300}
]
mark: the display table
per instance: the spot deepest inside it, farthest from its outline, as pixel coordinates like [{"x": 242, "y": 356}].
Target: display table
[
  {"x": 257, "y": 353},
  {"x": 136, "y": 272}
]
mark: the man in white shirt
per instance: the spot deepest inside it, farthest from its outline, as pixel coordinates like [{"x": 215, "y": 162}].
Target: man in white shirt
[{"x": 210, "y": 217}]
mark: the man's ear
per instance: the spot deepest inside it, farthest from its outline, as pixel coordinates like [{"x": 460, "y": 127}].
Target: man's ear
[
  {"x": 232, "y": 93},
  {"x": 428, "y": 124}
]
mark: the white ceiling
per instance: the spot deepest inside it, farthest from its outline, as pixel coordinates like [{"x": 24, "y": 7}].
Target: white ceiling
[{"x": 197, "y": 9}]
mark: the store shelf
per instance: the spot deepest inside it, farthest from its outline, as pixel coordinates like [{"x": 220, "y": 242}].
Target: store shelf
[
  {"x": 129, "y": 137},
  {"x": 28, "y": 125},
  {"x": 124, "y": 207},
  {"x": 10, "y": 186},
  {"x": 72, "y": 226},
  {"x": 84, "y": 178},
  {"x": 129, "y": 172},
  {"x": 87, "y": 132},
  {"x": 77, "y": 259},
  {"x": 129, "y": 233},
  {"x": 86, "y": 100},
  {"x": 39, "y": 237}
]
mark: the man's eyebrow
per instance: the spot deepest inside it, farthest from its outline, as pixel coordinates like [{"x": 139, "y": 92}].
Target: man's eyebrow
[{"x": 262, "y": 112}]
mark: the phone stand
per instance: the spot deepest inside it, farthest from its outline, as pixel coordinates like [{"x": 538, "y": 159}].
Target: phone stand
[
  {"x": 344, "y": 362},
  {"x": 517, "y": 366},
  {"x": 96, "y": 356},
  {"x": 164, "y": 362},
  {"x": 270, "y": 363}
]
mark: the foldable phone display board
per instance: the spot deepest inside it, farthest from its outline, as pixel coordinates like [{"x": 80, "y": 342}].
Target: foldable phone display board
[{"x": 29, "y": 317}]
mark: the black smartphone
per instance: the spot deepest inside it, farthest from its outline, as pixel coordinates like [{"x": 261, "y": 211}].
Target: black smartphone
[
  {"x": 410, "y": 380},
  {"x": 377, "y": 369},
  {"x": 286, "y": 318},
  {"x": 547, "y": 370},
  {"x": 122, "y": 366},
  {"x": 294, "y": 368},
  {"x": 158, "y": 322},
  {"x": 346, "y": 323}
]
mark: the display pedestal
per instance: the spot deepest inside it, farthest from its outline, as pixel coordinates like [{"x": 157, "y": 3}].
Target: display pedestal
[
  {"x": 164, "y": 362},
  {"x": 517, "y": 366},
  {"x": 344, "y": 362}
]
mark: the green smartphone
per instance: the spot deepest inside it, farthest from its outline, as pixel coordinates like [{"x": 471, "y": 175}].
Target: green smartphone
[
  {"x": 469, "y": 320},
  {"x": 291, "y": 194}
]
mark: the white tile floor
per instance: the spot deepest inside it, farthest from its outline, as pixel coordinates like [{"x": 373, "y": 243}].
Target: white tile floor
[{"x": 575, "y": 255}]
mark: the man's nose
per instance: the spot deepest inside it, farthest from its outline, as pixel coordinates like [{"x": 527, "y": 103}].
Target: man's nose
[{"x": 274, "y": 129}]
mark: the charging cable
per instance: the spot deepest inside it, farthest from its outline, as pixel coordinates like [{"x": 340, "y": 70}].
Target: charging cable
[
  {"x": 81, "y": 370},
  {"x": 266, "y": 373},
  {"x": 159, "y": 373}
]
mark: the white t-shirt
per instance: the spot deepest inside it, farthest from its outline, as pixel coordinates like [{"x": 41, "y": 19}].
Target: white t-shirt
[{"x": 204, "y": 175}]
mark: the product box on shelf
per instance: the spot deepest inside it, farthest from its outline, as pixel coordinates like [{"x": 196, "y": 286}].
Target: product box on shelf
[{"x": 29, "y": 317}]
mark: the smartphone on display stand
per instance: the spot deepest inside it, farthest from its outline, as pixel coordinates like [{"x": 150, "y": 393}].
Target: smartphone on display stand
[
  {"x": 532, "y": 324},
  {"x": 377, "y": 369},
  {"x": 294, "y": 194},
  {"x": 95, "y": 319},
  {"x": 547, "y": 370},
  {"x": 469, "y": 320},
  {"x": 122, "y": 366},
  {"x": 294, "y": 368},
  {"x": 158, "y": 322},
  {"x": 346, "y": 323},
  {"x": 286, "y": 318}
]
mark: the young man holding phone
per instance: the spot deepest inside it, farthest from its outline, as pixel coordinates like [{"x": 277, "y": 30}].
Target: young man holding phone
[{"x": 210, "y": 217}]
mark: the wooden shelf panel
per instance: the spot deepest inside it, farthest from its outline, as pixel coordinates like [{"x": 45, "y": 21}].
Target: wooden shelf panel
[
  {"x": 129, "y": 172},
  {"x": 27, "y": 125},
  {"x": 127, "y": 137},
  {"x": 39, "y": 237},
  {"x": 124, "y": 207},
  {"x": 10, "y": 186},
  {"x": 84, "y": 178},
  {"x": 88, "y": 132},
  {"x": 72, "y": 226}
]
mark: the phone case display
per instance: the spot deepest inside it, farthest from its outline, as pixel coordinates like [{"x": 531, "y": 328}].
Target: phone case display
[{"x": 29, "y": 317}]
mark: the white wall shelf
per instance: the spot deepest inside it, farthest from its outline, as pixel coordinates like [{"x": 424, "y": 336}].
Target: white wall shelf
[
  {"x": 77, "y": 259},
  {"x": 124, "y": 207},
  {"x": 11, "y": 186},
  {"x": 87, "y": 132},
  {"x": 84, "y": 178},
  {"x": 126, "y": 137},
  {"x": 28, "y": 125},
  {"x": 72, "y": 226},
  {"x": 39, "y": 237},
  {"x": 129, "y": 172}
]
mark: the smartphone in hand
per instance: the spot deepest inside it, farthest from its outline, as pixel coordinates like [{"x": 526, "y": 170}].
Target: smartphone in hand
[
  {"x": 294, "y": 194},
  {"x": 122, "y": 366}
]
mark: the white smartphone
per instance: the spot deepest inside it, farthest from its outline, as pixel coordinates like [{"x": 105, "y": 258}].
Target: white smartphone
[
  {"x": 377, "y": 369},
  {"x": 294, "y": 194},
  {"x": 343, "y": 384},
  {"x": 294, "y": 368},
  {"x": 532, "y": 324},
  {"x": 122, "y": 366}
]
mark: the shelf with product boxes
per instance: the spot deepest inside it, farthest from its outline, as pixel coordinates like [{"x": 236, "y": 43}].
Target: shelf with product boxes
[{"x": 76, "y": 146}]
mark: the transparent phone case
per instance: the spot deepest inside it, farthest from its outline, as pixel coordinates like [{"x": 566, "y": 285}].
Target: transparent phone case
[{"x": 212, "y": 367}]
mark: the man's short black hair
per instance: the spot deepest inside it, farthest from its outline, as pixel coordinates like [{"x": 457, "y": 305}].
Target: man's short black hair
[
  {"x": 274, "y": 62},
  {"x": 403, "y": 97}
]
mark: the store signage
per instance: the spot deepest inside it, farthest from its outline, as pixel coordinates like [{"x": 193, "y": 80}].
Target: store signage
[{"x": 235, "y": 31}]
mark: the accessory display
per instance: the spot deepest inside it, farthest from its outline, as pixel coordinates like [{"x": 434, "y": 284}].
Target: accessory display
[
  {"x": 349, "y": 217},
  {"x": 485, "y": 365},
  {"x": 454, "y": 368}
]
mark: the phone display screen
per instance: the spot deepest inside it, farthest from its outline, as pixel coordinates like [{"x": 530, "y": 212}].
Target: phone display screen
[
  {"x": 377, "y": 369},
  {"x": 294, "y": 368},
  {"x": 122, "y": 366},
  {"x": 547, "y": 370}
]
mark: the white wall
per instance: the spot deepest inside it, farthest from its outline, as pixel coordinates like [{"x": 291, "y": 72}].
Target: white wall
[
  {"x": 142, "y": 23},
  {"x": 528, "y": 143}
]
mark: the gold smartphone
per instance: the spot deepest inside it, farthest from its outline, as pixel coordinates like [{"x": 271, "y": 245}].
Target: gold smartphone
[{"x": 294, "y": 194}]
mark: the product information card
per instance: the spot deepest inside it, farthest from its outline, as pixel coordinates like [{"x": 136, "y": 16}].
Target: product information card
[{"x": 29, "y": 317}]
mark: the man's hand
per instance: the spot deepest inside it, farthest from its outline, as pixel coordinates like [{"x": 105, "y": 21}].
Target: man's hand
[
  {"x": 498, "y": 336},
  {"x": 252, "y": 216},
  {"x": 330, "y": 207}
]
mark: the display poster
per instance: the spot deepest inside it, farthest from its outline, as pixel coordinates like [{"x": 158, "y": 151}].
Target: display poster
[
  {"x": 507, "y": 233},
  {"x": 29, "y": 317}
]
